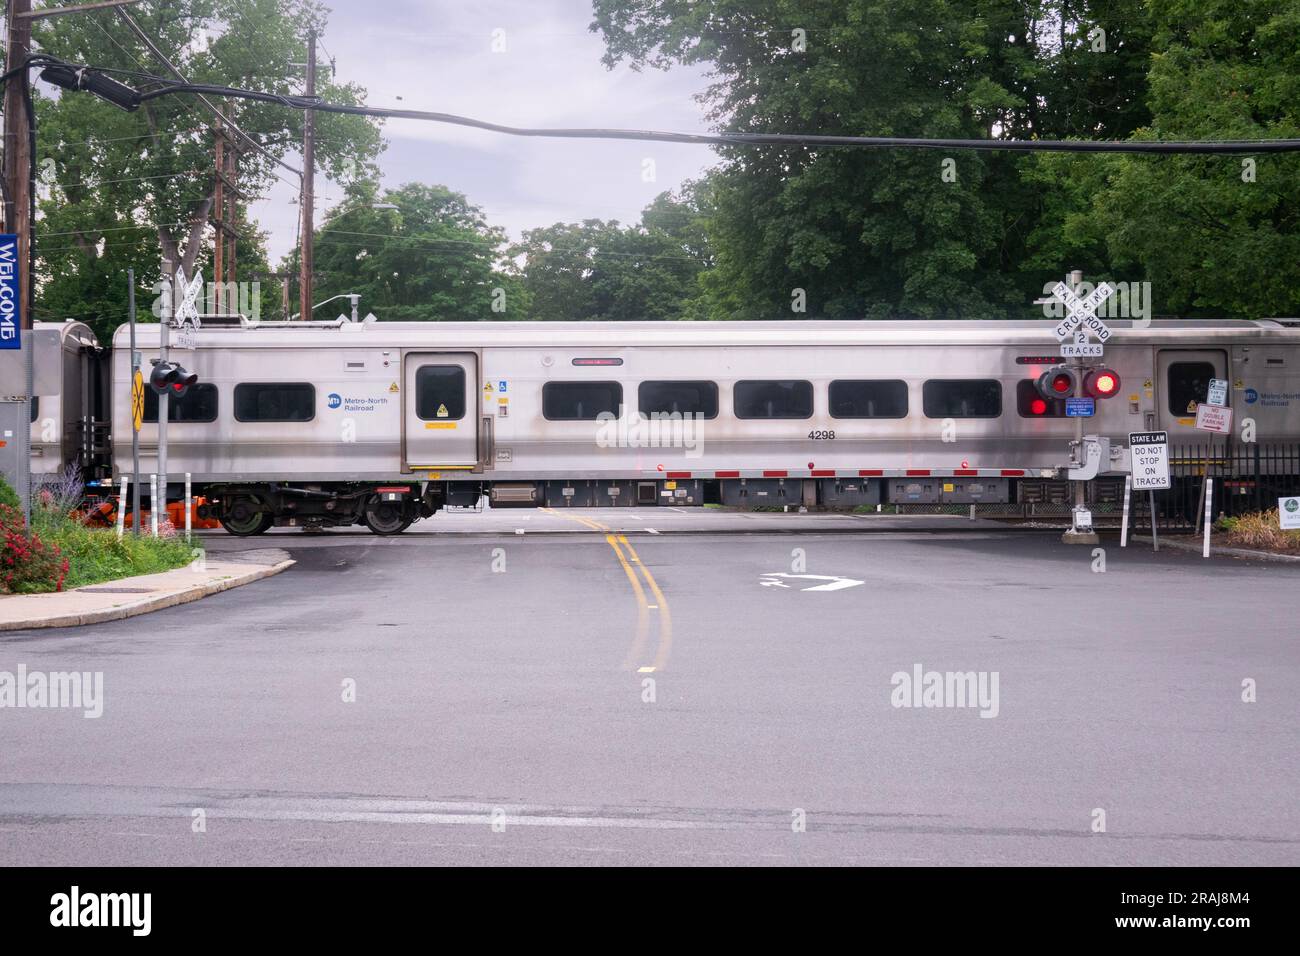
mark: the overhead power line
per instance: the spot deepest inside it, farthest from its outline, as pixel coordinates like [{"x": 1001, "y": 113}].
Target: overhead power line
[
  {"x": 746, "y": 139},
  {"x": 172, "y": 68},
  {"x": 169, "y": 88}
]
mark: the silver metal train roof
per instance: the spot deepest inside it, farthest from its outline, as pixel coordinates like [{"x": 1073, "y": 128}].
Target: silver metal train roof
[{"x": 788, "y": 333}]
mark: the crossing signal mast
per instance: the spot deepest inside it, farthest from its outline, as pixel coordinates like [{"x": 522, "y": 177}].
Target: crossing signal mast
[{"x": 1073, "y": 388}]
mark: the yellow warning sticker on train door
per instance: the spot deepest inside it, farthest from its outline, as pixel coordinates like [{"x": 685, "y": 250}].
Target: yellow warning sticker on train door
[
  {"x": 442, "y": 411},
  {"x": 393, "y": 387}
]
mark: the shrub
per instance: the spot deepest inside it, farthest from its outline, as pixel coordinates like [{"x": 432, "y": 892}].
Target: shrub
[
  {"x": 97, "y": 554},
  {"x": 61, "y": 493},
  {"x": 8, "y": 497},
  {"x": 27, "y": 563},
  {"x": 1260, "y": 530}
]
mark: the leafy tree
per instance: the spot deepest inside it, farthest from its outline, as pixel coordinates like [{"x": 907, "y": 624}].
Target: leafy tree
[
  {"x": 1214, "y": 234},
  {"x": 881, "y": 233},
  {"x": 136, "y": 189},
  {"x": 415, "y": 253},
  {"x": 855, "y": 232},
  {"x": 602, "y": 270}
]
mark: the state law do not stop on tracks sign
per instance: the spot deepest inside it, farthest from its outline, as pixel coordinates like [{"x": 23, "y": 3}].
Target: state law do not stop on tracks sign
[{"x": 1149, "y": 453}]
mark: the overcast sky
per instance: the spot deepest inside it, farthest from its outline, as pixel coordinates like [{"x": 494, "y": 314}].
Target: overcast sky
[{"x": 437, "y": 55}]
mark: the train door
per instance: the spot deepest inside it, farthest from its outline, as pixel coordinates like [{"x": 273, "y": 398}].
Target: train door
[
  {"x": 1183, "y": 382},
  {"x": 439, "y": 410}
]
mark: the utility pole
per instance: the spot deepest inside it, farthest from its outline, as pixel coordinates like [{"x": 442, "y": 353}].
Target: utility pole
[
  {"x": 308, "y": 198},
  {"x": 17, "y": 171},
  {"x": 225, "y": 214},
  {"x": 18, "y": 220}
]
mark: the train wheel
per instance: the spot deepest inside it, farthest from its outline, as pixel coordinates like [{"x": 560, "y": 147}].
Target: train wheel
[
  {"x": 245, "y": 520},
  {"x": 386, "y": 517}
]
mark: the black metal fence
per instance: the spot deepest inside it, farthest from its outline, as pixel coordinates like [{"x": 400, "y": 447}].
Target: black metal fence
[{"x": 1246, "y": 477}]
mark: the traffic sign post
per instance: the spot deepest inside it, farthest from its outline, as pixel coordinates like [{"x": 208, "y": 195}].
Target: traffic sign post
[
  {"x": 137, "y": 376},
  {"x": 16, "y": 418},
  {"x": 1128, "y": 493},
  {"x": 1149, "y": 467},
  {"x": 1288, "y": 513},
  {"x": 1218, "y": 392},
  {"x": 1149, "y": 453},
  {"x": 137, "y": 400},
  {"x": 1214, "y": 418}
]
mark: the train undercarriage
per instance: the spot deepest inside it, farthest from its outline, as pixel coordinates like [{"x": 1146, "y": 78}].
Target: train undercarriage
[{"x": 389, "y": 509}]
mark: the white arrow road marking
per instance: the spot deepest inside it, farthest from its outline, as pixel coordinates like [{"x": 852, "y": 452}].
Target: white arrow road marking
[{"x": 834, "y": 582}]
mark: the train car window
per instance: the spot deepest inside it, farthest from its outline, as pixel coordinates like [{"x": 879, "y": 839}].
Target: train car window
[
  {"x": 275, "y": 402},
  {"x": 1030, "y": 404},
  {"x": 775, "y": 399},
  {"x": 682, "y": 398},
  {"x": 36, "y": 407},
  {"x": 1189, "y": 384},
  {"x": 886, "y": 398},
  {"x": 440, "y": 392},
  {"x": 197, "y": 405},
  {"x": 962, "y": 398},
  {"x": 580, "y": 401}
]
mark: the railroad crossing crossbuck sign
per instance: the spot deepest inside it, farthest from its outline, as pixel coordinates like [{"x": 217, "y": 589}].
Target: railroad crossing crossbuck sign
[
  {"x": 185, "y": 320},
  {"x": 137, "y": 399},
  {"x": 1081, "y": 318}
]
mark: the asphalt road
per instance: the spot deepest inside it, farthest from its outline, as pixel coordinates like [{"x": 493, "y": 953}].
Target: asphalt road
[{"x": 647, "y": 689}]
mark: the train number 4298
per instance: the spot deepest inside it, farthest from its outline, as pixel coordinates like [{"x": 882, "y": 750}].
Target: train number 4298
[{"x": 820, "y": 435}]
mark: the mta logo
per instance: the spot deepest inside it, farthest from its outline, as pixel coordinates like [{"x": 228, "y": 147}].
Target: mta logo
[
  {"x": 1252, "y": 396},
  {"x": 335, "y": 399}
]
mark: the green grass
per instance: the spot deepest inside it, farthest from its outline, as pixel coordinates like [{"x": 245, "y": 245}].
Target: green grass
[
  {"x": 96, "y": 555},
  {"x": 8, "y": 496}
]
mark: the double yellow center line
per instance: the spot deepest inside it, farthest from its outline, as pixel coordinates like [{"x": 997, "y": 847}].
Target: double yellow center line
[{"x": 631, "y": 563}]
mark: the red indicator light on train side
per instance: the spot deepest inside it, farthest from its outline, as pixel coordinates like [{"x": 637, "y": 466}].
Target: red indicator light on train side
[{"x": 1038, "y": 407}]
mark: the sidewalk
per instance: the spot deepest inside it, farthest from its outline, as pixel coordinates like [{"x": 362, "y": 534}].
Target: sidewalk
[
  {"x": 1194, "y": 544},
  {"x": 127, "y": 597}
]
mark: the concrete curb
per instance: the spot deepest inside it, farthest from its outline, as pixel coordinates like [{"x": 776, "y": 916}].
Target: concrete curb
[
  {"x": 1216, "y": 551},
  {"x": 145, "y": 605}
]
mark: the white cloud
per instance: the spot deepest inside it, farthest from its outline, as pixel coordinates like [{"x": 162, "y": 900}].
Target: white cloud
[{"x": 421, "y": 54}]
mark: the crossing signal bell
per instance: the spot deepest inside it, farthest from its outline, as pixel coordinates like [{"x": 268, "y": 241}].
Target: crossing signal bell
[{"x": 168, "y": 378}]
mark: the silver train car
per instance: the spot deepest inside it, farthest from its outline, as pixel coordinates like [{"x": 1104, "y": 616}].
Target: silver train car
[
  {"x": 322, "y": 424},
  {"x": 69, "y": 420}
]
